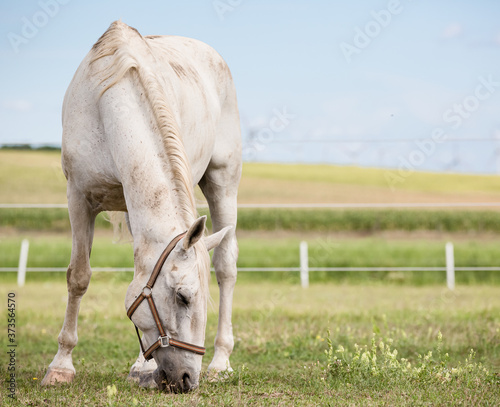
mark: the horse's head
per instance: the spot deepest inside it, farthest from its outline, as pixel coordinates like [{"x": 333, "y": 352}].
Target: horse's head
[{"x": 179, "y": 294}]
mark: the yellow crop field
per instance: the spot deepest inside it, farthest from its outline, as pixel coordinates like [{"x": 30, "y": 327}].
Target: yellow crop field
[{"x": 36, "y": 177}]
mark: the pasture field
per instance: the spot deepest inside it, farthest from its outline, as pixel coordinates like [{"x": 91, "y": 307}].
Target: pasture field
[
  {"x": 36, "y": 177},
  {"x": 270, "y": 238},
  {"x": 281, "y": 354},
  {"x": 378, "y": 322}
]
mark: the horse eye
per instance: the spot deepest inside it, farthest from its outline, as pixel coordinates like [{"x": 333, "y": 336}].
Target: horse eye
[{"x": 180, "y": 298}]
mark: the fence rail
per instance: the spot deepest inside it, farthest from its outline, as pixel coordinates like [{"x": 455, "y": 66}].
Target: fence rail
[{"x": 304, "y": 268}]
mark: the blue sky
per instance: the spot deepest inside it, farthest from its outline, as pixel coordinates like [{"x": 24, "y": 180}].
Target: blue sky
[{"x": 346, "y": 82}]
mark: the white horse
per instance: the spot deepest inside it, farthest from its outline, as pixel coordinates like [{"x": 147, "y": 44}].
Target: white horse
[{"x": 144, "y": 120}]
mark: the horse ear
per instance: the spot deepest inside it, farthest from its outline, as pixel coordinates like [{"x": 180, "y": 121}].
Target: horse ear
[
  {"x": 215, "y": 239},
  {"x": 194, "y": 233}
]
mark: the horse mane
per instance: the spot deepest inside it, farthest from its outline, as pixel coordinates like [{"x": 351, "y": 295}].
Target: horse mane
[
  {"x": 118, "y": 42},
  {"x": 122, "y": 44}
]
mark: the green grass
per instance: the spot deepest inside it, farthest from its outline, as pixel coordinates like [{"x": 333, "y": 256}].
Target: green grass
[
  {"x": 281, "y": 336},
  {"x": 297, "y": 220},
  {"x": 53, "y": 219},
  {"x": 369, "y": 220},
  {"x": 379, "y": 365}
]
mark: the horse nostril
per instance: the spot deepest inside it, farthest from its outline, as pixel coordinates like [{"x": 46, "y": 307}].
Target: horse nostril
[
  {"x": 160, "y": 378},
  {"x": 186, "y": 382}
]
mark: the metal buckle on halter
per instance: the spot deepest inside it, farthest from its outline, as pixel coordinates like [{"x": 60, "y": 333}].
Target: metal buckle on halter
[
  {"x": 147, "y": 291},
  {"x": 164, "y": 341}
]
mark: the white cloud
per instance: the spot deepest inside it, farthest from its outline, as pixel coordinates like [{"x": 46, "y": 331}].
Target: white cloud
[
  {"x": 453, "y": 30},
  {"x": 19, "y": 105}
]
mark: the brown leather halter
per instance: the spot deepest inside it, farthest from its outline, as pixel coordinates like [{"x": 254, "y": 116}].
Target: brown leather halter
[{"x": 164, "y": 339}]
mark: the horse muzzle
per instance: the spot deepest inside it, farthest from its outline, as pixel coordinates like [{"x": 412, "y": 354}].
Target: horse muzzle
[{"x": 180, "y": 382}]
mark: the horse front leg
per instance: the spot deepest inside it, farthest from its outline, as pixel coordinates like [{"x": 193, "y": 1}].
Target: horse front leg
[{"x": 82, "y": 220}]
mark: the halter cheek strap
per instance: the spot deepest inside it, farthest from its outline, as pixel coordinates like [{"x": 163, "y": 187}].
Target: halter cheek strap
[{"x": 164, "y": 339}]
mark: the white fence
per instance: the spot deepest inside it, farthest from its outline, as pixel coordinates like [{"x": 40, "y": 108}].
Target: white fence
[{"x": 304, "y": 268}]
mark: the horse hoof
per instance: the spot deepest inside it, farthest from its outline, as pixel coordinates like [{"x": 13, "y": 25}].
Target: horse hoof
[
  {"x": 219, "y": 366},
  {"x": 134, "y": 375},
  {"x": 55, "y": 375},
  {"x": 142, "y": 379},
  {"x": 146, "y": 380},
  {"x": 217, "y": 375}
]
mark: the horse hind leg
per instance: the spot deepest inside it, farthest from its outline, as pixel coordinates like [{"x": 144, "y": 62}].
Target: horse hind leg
[
  {"x": 220, "y": 188},
  {"x": 82, "y": 220}
]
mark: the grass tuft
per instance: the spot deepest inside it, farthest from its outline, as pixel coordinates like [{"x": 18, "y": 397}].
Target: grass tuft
[{"x": 380, "y": 364}]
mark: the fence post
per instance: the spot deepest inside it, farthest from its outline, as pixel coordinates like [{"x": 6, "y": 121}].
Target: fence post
[
  {"x": 23, "y": 261},
  {"x": 450, "y": 266},
  {"x": 304, "y": 265}
]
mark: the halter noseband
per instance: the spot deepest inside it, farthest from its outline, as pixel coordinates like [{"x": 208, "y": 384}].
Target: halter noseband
[{"x": 164, "y": 339}]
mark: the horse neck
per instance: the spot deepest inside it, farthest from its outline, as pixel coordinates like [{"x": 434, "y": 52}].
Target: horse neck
[
  {"x": 145, "y": 166},
  {"x": 155, "y": 210},
  {"x": 154, "y": 222}
]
